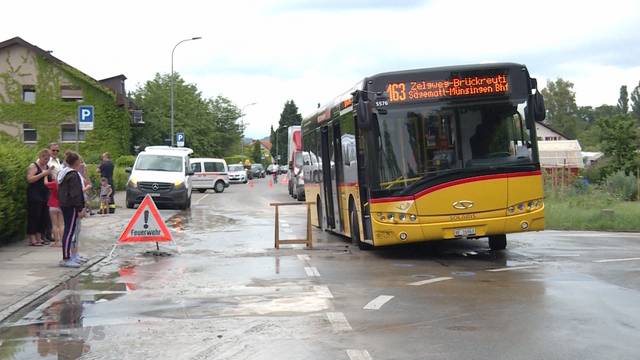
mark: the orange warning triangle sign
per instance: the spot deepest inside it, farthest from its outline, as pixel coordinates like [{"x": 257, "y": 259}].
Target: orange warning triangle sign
[{"x": 145, "y": 224}]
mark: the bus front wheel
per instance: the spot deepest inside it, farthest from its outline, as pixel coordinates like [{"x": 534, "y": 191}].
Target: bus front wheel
[
  {"x": 355, "y": 230},
  {"x": 498, "y": 242}
]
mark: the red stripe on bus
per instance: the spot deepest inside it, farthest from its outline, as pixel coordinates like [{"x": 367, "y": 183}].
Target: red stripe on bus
[{"x": 453, "y": 183}]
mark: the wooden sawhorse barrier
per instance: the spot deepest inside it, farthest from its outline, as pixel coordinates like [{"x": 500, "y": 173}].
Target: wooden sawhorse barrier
[{"x": 308, "y": 240}]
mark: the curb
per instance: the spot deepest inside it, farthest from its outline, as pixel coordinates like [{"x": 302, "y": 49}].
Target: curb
[{"x": 29, "y": 299}]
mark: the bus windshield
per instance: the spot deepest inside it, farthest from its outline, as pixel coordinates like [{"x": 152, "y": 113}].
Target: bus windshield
[{"x": 427, "y": 141}]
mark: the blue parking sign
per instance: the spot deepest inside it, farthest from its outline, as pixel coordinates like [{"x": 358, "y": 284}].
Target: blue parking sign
[
  {"x": 85, "y": 117},
  {"x": 180, "y": 139}
]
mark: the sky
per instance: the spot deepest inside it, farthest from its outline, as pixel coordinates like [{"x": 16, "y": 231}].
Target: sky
[{"x": 270, "y": 51}]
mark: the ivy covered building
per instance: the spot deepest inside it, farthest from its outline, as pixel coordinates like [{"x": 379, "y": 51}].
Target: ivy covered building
[{"x": 40, "y": 95}]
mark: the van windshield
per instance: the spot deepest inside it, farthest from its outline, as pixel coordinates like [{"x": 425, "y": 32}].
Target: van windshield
[{"x": 157, "y": 162}]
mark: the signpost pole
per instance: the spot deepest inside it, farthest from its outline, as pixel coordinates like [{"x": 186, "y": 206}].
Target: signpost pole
[{"x": 77, "y": 133}]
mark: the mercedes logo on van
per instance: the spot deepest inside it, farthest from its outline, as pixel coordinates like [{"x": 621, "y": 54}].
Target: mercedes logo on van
[
  {"x": 463, "y": 204},
  {"x": 155, "y": 187}
]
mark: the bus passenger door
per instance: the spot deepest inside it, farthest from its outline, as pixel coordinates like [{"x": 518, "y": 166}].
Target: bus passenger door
[
  {"x": 327, "y": 166},
  {"x": 338, "y": 177}
]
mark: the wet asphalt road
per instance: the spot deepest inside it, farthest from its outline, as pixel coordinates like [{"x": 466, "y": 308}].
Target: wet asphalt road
[{"x": 225, "y": 293}]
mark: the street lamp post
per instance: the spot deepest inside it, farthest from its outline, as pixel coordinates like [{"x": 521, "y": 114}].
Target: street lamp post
[
  {"x": 242, "y": 126},
  {"x": 171, "y": 83}
]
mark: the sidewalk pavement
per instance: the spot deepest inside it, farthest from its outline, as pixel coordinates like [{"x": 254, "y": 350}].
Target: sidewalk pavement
[{"x": 29, "y": 272}]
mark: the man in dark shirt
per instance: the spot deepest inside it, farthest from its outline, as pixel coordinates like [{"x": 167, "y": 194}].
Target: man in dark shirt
[{"x": 106, "y": 170}]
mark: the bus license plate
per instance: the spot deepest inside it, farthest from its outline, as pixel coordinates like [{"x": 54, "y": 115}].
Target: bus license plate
[
  {"x": 154, "y": 194},
  {"x": 464, "y": 232}
]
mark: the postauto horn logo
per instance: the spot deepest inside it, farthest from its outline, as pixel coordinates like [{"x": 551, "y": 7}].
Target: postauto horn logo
[{"x": 463, "y": 204}]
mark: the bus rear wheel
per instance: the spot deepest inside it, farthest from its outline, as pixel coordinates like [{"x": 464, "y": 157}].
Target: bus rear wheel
[{"x": 498, "y": 242}]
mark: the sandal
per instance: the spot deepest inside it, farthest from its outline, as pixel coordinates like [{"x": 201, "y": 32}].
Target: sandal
[{"x": 36, "y": 244}]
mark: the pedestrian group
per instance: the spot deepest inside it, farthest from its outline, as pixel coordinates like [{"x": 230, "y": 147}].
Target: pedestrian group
[{"x": 57, "y": 200}]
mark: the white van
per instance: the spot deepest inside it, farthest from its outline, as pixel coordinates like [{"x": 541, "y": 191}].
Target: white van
[
  {"x": 209, "y": 173},
  {"x": 164, "y": 173}
]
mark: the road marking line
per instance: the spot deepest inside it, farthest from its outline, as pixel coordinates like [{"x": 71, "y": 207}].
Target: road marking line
[
  {"x": 565, "y": 255},
  {"x": 430, "y": 281},
  {"x": 514, "y": 268},
  {"x": 304, "y": 257},
  {"x": 358, "y": 354},
  {"x": 339, "y": 321},
  {"x": 323, "y": 292},
  {"x": 202, "y": 198},
  {"x": 616, "y": 260},
  {"x": 311, "y": 271},
  {"x": 377, "y": 303}
]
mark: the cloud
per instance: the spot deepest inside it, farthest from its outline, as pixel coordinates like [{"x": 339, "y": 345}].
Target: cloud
[{"x": 310, "y": 51}]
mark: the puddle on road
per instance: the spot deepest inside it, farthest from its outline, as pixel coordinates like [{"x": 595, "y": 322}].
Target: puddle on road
[
  {"x": 76, "y": 319},
  {"x": 56, "y": 328}
]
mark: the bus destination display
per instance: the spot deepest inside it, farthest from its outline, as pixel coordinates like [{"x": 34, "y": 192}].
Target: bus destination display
[{"x": 413, "y": 90}]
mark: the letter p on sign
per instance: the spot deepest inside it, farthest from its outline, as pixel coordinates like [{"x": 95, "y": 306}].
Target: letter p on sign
[{"x": 85, "y": 117}]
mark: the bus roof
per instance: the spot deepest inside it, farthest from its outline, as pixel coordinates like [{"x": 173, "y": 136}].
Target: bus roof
[{"x": 344, "y": 100}]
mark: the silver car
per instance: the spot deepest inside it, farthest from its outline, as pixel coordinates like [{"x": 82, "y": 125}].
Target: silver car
[{"x": 237, "y": 174}]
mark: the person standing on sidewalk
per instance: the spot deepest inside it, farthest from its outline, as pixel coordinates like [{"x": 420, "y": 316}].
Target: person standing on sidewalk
[
  {"x": 37, "y": 196},
  {"x": 106, "y": 170},
  {"x": 71, "y": 203},
  {"x": 54, "y": 167},
  {"x": 55, "y": 214}
]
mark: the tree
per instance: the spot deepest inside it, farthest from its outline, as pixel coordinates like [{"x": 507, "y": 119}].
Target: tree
[
  {"x": 256, "y": 153},
  {"x": 288, "y": 117},
  {"x": 562, "y": 111},
  {"x": 623, "y": 100},
  {"x": 208, "y": 124},
  {"x": 635, "y": 103},
  {"x": 272, "y": 138},
  {"x": 619, "y": 139}
]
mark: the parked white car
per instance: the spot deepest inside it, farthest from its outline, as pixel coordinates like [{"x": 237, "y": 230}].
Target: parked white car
[
  {"x": 237, "y": 174},
  {"x": 209, "y": 173}
]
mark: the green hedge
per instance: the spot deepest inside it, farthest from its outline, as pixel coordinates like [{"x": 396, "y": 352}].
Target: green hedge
[
  {"x": 14, "y": 160},
  {"x": 125, "y": 161}
]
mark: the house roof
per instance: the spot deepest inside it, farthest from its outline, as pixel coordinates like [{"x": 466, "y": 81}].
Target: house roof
[
  {"x": 554, "y": 130},
  {"x": 266, "y": 143},
  {"x": 47, "y": 55},
  {"x": 121, "y": 76}
]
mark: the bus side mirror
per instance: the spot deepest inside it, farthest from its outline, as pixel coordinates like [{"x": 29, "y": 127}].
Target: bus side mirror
[
  {"x": 540, "y": 112},
  {"x": 362, "y": 109}
]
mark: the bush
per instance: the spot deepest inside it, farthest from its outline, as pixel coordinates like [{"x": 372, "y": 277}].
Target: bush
[
  {"x": 120, "y": 178},
  {"x": 597, "y": 172},
  {"x": 14, "y": 160},
  {"x": 125, "y": 161},
  {"x": 622, "y": 186}
]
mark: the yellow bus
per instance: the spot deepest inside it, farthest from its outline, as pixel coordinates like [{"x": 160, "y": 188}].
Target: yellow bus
[{"x": 428, "y": 154}]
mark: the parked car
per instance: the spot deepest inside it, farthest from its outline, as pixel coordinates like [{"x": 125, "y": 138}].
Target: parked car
[
  {"x": 282, "y": 169},
  {"x": 209, "y": 173},
  {"x": 237, "y": 174},
  {"x": 257, "y": 170},
  {"x": 162, "y": 172}
]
